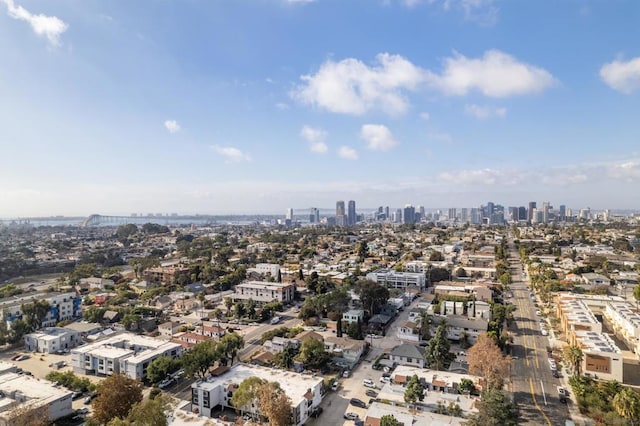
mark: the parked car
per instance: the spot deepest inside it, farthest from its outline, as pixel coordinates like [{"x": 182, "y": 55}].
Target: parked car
[
  {"x": 335, "y": 386},
  {"x": 371, "y": 392},
  {"x": 346, "y": 373},
  {"x": 561, "y": 390},
  {"x": 357, "y": 403},
  {"x": 316, "y": 413},
  {"x": 22, "y": 357},
  {"x": 385, "y": 379},
  {"x": 369, "y": 383},
  {"x": 555, "y": 374},
  {"x": 351, "y": 416},
  {"x": 538, "y": 313}
]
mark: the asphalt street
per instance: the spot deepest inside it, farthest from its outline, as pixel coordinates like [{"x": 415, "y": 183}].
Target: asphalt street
[{"x": 532, "y": 383}]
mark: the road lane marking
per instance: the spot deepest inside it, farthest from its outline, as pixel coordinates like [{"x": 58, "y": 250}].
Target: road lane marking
[{"x": 533, "y": 395}]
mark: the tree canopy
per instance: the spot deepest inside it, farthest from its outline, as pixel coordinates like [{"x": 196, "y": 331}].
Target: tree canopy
[
  {"x": 437, "y": 355},
  {"x": 414, "y": 390},
  {"x": 494, "y": 409},
  {"x": 372, "y": 295},
  {"x": 486, "y": 360},
  {"x": 312, "y": 354},
  {"x": 116, "y": 395}
]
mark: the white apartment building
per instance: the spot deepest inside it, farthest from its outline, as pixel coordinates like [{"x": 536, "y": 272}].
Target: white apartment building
[
  {"x": 214, "y": 393},
  {"x": 63, "y": 306},
  {"x": 625, "y": 323},
  {"x": 264, "y": 292},
  {"x": 460, "y": 327},
  {"x": 124, "y": 353},
  {"x": 265, "y": 269},
  {"x": 400, "y": 280},
  {"x": 52, "y": 339},
  {"x": 602, "y": 357},
  {"x": 20, "y": 392},
  {"x": 416, "y": 266}
]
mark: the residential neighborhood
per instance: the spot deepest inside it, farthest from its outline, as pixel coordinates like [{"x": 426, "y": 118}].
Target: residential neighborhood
[{"x": 411, "y": 311}]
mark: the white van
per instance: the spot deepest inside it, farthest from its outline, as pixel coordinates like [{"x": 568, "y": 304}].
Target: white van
[{"x": 369, "y": 383}]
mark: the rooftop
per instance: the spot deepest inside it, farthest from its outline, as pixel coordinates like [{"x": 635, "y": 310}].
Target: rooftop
[{"x": 295, "y": 385}]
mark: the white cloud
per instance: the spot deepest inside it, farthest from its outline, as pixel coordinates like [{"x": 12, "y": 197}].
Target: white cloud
[
  {"x": 233, "y": 155},
  {"x": 316, "y": 138},
  {"x": 347, "y": 153},
  {"x": 282, "y": 106},
  {"x": 622, "y": 76},
  {"x": 484, "y": 112},
  {"x": 172, "y": 126},
  {"x": 378, "y": 137},
  {"x": 352, "y": 87},
  {"x": 496, "y": 74},
  {"x": 50, "y": 27},
  {"x": 425, "y": 116},
  {"x": 626, "y": 170}
]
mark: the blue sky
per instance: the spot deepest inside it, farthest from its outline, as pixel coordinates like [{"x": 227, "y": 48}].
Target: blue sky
[{"x": 258, "y": 105}]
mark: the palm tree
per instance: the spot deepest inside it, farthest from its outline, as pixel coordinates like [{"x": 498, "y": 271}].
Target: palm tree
[
  {"x": 627, "y": 404},
  {"x": 573, "y": 356}
]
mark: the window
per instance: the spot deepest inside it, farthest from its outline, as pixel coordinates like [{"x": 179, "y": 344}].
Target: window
[{"x": 194, "y": 396}]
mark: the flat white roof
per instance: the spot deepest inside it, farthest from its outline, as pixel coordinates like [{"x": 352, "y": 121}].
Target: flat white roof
[
  {"x": 31, "y": 387},
  {"x": 295, "y": 385}
]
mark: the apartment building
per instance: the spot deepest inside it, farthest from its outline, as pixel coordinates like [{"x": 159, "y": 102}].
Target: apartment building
[
  {"x": 399, "y": 280},
  {"x": 624, "y": 322},
  {"x": 265, "y": 269},
  {"x": 124, "y": 353},
  {"x": 52, "y": 339},
  {"x": 353, "y": 315},
  {"x": 21, "y": 392},
  {"x": 264, "y": 292},
  {"x": 214, "y": 393},
  {"x": 62, "y": 306},
  {"x": 602, "y": 357},
  {"x": 164, "y": 274}
]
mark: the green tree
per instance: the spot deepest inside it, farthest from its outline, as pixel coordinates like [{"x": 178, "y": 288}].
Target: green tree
[
  {"x": 239, "y": 309},
  {"x": 116, "y": 395},
  {"x": 494, "y": 409},
  {"x": 161, "y": 367},
  {"x": 229, "y": 346},
  {"x": 197, "y": 360},
  {"x": 439, "y": 274},
  {"x": 246, "y": 393},
  {"x": 34, "y": 313},
  {"x": 312, "y": 354},
  {"x": 414, "y": 390},
  {"x": 437, "y": 355},
  {"x": 284, "y": 358},
  {"x": 627, "y": 404},
  {"x": 372, "y": 295},
  {"x": 151, "y": 412},
  {"x": 466, "y": 386},
  {"x": 251, "y": 309},
  {"x": 573, "y": 356},
  {"x": 354, "y": 330},
  {"x": 389, "y": 420}
]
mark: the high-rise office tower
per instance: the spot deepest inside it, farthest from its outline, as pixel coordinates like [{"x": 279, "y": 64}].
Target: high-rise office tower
[
  {"x": 408, "y": 214},
  {"x": 532, "y": 207},
  {"x": 513, "y": 214},
  {"x": 314, "y": 215},
  {"x": 464, "y": 215},
  {"x": 522, "y": 213},
  {"x": 546, "y": 206},
  {"x": 562, "y": 213},
  {"x": 341, "y": 217},
  {"x": 387, "y": 212},
  {"x": 476, "y": 217},
  {"x": 421, "y": 211},
  {"x": 289, "y": 214},
  {"x": 351, "y": 213},
  {"x": 452, "y": 214}
]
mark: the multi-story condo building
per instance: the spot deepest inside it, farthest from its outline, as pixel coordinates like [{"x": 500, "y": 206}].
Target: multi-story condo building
[
  {"x": 215, "y": 393},
  {"x": 265, "y": 269},
  {"x": 22, "y": 393},
  {"x": 264, "y": 292},
  {"x": 63, "y": 306},
  {"x": 51, "y": 340},
  {"x": 124, "y": 353},
  {"x": 396, "y": 279}
]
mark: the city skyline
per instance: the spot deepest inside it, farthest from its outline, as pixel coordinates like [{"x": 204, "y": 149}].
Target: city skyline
[{"x": 257, "y": 106}]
